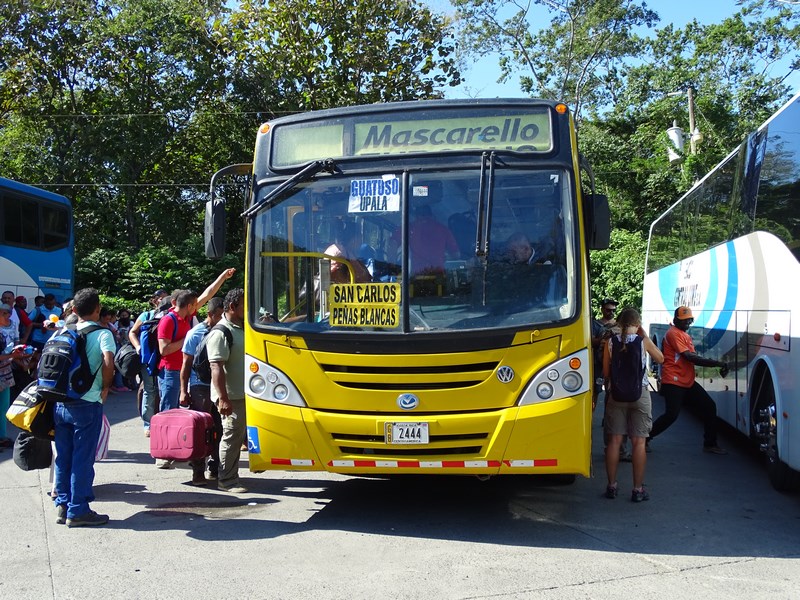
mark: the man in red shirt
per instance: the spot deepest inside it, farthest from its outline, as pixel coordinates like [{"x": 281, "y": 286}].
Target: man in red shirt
[
  {"x": 678, "y": 381},
  {"x": 172, "y": 328}
]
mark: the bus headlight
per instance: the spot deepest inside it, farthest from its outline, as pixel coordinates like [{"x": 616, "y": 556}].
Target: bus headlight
[
  {"x": 544, "y": 391},
  {"x": 265, "y": 382},
  {"x": 257, "y": 385},
  {"x": 572, "y": 381},
  {"x": 563, "y": 378}
]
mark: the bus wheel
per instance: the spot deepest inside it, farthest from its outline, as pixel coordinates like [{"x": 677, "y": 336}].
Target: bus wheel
[{"x": 765, "y": 426}]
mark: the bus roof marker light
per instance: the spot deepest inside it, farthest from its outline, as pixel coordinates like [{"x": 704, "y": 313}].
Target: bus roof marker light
[
  {"x": 264, "y": 128},
  {"x": 561, "y": 108}
]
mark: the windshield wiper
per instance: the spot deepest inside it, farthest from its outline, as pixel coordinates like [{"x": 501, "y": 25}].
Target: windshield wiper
[{"x": 302, "y": 175}]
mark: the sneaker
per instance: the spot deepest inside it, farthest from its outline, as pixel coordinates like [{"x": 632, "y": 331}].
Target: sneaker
[
  {"x": 61, "y": 514},
  {"x": 90, "y": 519},
  {"x": 625, "y": 456},
  {"x": 146, "y": 433},
  {"x": 200, "y": 480},
  {"x": 212, "y": 475},
  {"x": 714, "y": 450},
  {"x": 165, "y": 464},
  {"x": 611, "y": 491},
  {"x": 639, "y": 495},
  {"x": 234, "y": 489}
]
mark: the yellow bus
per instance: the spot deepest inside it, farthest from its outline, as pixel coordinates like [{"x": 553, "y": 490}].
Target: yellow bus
[{"x": 417, "y": 292}]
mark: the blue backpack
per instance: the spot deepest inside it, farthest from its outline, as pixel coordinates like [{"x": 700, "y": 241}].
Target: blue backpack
[
  {"x": 63, "y": 374},
  {"x": 148, "y": 340}
]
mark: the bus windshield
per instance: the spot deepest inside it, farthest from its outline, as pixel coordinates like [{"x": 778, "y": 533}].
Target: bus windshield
[{"x": 420, "y": 251}]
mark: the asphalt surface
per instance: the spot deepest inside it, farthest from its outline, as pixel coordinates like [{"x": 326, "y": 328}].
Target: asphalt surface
[{"x": 714, "y": 528}]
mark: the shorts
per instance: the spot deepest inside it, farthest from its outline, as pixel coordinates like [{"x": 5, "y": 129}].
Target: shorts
[{"x": 630, "y": 418}]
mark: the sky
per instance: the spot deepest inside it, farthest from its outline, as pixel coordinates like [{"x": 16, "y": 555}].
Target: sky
[{"x": 481, "y": 78}]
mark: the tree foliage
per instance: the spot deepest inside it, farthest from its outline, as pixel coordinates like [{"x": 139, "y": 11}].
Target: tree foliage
[
  {"x": 128, "y": 106},
  {"x": 576, "y": 58}
]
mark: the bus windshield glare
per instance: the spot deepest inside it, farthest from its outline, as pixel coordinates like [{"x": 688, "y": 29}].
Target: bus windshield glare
[{"x": 455, "y": 271}]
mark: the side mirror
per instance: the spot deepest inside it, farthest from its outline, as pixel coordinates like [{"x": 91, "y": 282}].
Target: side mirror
[
  {"x": 599, "y": 217},
  {"x": 214, "y": 229}
]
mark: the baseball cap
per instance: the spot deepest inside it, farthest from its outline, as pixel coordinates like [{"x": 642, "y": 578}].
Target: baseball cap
[
  {"x": 609, "y": 301},
  {"x": 6, "y": 308},
  {"x": 683, "y": 313},
  {"x": 160, "y": 293}
]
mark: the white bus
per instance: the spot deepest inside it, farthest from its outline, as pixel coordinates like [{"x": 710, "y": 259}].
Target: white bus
[{"x": 729, "y": 249}]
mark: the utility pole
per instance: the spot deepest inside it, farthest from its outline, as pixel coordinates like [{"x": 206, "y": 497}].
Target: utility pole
[{"x": 693, "y": 132}]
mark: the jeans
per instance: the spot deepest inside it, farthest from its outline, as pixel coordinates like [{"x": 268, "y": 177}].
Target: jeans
[
  {"x": 77, "y": 428},
  {"x": 169, "y": 384},
  {"x": 149, "y": 397}
]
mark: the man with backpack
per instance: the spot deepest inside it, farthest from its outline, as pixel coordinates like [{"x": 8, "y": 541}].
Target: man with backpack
[
  {"x": 628, "y": 406},
  {"x": 196, "y": 393},
  {"x": 227, "y": 389},
  {"x": 678, "y": 381},
  {"x": 148, "y": 386},
  {"x": 79, "y": 415}
]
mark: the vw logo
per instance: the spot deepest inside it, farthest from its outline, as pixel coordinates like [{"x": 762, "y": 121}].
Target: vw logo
[
  {"x": 505, "y": 374},
  {"x": 407, "y": 401}
]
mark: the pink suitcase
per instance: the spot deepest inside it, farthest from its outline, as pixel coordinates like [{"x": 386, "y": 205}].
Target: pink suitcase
[{"x": 181, "y": 434}]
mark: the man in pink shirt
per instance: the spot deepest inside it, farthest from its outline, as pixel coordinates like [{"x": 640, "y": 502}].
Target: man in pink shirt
[{"x": 431, "y": 243}]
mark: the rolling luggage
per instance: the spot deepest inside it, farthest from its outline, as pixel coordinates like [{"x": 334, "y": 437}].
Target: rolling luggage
[{"x": 181, "y": 434}]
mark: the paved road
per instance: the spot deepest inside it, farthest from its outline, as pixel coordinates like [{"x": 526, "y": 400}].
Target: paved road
[{"x": 713, "y": 529}]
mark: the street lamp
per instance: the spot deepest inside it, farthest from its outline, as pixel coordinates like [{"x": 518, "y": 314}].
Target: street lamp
[{"x": 677, "y": 136}]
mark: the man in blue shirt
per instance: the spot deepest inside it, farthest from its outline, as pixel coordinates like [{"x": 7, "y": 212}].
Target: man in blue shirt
[
  {"x": 43, "y": 326},
  {"x": 78, "y": 423},
  {"x": 197, "y": 395}
]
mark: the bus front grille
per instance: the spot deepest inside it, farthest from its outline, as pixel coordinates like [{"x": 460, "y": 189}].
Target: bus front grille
[
  {"x": 444, "y": 445},
  {"x": 404, "y": 378}
]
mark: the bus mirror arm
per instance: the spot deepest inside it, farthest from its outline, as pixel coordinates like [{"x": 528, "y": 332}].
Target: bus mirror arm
[{"x": 303, "y": 174}]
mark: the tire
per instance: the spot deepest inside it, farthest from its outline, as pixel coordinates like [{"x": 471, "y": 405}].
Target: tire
[{"x": 781, "y": 476}]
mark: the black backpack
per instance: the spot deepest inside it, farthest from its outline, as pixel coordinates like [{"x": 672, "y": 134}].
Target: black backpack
[
  {"x": 200, "y": 365},
  {"x": 63, "y": 374},
  {"x": 627, "y": 370},
  {"x": 128, "y": 361}
]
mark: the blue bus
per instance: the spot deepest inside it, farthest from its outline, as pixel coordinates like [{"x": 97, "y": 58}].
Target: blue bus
[{"x": 37, "y": 242}]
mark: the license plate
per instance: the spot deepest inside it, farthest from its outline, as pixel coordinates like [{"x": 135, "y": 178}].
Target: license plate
[{"x": 406, "y": 433}]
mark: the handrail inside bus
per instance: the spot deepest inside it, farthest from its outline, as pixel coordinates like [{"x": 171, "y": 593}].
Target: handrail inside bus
[{"x": 340, "y": 259}]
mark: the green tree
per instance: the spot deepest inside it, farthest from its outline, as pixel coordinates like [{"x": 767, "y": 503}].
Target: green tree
[
  {"x": 311, "y": 55},
  {"x": 576, "y": 58},
  {"x": 618, "y": 272}
]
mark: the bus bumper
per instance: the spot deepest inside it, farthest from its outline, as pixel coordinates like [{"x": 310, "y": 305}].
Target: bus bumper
[{"x": 547, "y": 438}]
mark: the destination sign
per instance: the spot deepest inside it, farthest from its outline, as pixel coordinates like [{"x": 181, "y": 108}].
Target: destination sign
[
  {"x": 365, "y": 305},
  {"x": 380, "y": 194},
  {"x": 476, "y": 129}
]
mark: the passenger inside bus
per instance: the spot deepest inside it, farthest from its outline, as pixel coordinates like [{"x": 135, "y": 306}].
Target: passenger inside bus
[{"x": 347, "y": 243}]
